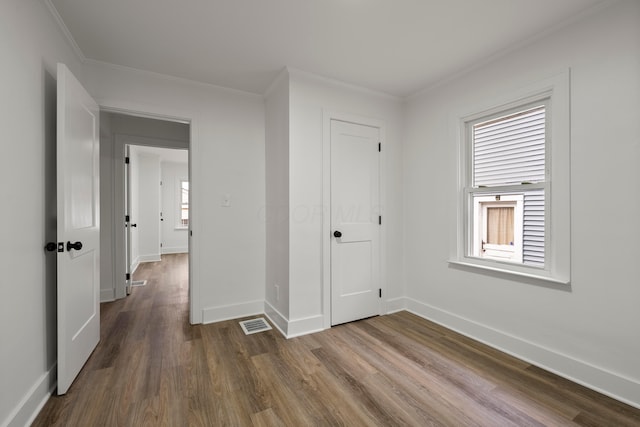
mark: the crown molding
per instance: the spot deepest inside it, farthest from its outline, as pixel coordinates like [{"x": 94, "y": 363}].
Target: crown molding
[{"x": 65, "y": 31}]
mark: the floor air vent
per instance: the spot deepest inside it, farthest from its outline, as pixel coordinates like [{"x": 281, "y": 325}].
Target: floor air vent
[
  {"x": 138, "y": 283},
  {"x": 254, "y": 325}
]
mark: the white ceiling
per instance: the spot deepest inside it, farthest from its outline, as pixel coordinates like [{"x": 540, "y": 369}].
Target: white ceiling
[{"x": 392, "y": 46}]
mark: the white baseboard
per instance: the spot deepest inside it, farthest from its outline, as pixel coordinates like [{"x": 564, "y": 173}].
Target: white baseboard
[
  {"x": 149, "y": 258},
  {"x": 279, "y": 321},
  {"x": 305, "y": 326},
  {"x": 601, "y": 380},
  {"x": 296, "y": 327},
  {"x": 174, "y": 250},
  {"x": 107, "y": 295},
  {"x": 28, "y": 408},
  {"x": 395, "y": 304},
  {"x": 233, "y": 311}
]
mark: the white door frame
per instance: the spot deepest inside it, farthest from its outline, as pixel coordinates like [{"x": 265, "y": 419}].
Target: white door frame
[
  {"x": 119, "y": 232},
  {"x": 182, "y": 116},
  {"x": 326, "y": 207}
]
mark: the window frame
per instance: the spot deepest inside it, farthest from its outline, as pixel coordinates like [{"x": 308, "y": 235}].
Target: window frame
[{"x": 555, "y": 92}]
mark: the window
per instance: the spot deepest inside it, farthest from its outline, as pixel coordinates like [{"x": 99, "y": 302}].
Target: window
[
  {"x": 508, "y": 184},
  {"x": 511, "y": 218},
  {"x": 183, "y": 208}
]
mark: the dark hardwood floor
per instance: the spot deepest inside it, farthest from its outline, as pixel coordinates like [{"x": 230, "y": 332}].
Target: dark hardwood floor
[{"x": 153, "y": 368}]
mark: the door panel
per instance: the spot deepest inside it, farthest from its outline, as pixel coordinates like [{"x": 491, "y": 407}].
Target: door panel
[
  {"x": 78, "y": 221},
  {"x": 354, "y": 214}
]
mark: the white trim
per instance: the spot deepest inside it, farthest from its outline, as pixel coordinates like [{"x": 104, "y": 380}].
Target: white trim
[
  {"x": 609, "y": 383},
  {"x": 149, "y": 258},
  {"x": 65, "y": 31},
  {"x": 305, "y": 326},
  {"x": 232, "y": 311},
  {"x": 281, "y": 323},
  {"x": 296, "y": 327},
  {"x": 294, "y": 72},
  {"x": 557, "y": 266},
  {"x": 496, "y": 268},
  {"x": 492, "y": 58},
  {"x": 326, "y": 204},
  {"x": 180, "y": 116},
  {"x": 396, "y": 304},
  {"x": 34, "y": 400},
  {"x": 169, "y": 77},
  {"x": 282, "y": 75},
  {"x": 176, "y": 249},
  {"x": 107, "y": 295}
]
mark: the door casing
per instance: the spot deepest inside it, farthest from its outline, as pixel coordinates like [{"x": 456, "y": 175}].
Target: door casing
[{"x": 168, "y": 114}]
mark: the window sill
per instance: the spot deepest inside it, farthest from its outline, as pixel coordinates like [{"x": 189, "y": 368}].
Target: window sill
[{"x": 549, "y": 279}]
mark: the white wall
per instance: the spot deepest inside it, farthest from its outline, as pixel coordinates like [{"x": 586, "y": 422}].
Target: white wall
[
  {"x": 277, "y": 199},
  {"x": 227, "y": 157},
  {"x": 30, "y": 46},
  {"x": 174, "y": 240},
  {"x": 107, "y": 215},
  {"x": 147, "y": 215},
  {"x": 309, "y": 98},
  {"x": 589, "y": 331}
]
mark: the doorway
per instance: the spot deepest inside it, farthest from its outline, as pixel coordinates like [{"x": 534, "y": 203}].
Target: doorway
[
  {"x": 144, "y": 135},
  {"x": 355, "y": 220},
  {"x": 156, "y": 205}
]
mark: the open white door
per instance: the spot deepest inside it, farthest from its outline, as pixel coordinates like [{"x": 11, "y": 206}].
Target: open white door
[
  {"x": 127, "y": 221},
  {"x": 78, "y": 159},
  {"x": 355, "y": 241}
]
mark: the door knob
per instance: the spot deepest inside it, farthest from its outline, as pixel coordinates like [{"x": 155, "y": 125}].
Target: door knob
[
  {"x": 337, "y": 234},
  {"x": 134, "y": 225},
  {"x": 51, "y": 246},
  {"x": 77, "y": 246}
]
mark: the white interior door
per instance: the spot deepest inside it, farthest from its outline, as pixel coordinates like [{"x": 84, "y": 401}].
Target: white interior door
[
  {"x": 127, "y": 220},
  {"x": 78, "y": 227},
  {"x": 355, "y": 240}
]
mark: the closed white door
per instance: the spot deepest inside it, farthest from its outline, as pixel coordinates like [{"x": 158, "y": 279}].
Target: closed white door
[
  {"x": 355, "y": 228},
  {"x": 78, "y": 227}
]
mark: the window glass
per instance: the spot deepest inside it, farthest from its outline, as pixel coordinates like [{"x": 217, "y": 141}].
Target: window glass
[
  {"x": 508, "y": 182},
  {"x": 184, "y": 203}
]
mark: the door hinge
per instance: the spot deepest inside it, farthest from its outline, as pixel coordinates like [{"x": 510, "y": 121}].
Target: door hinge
[
  {"x": 126, "y": 218},
  {"x": 379, "y": 147},
  {"x": 380, "y": 293},
  {"x": 380, "y": 220},
  {"x": 160, "y": 244},
  {"x": 126, "y": 160},
  {"x": 160, "y": 182},
  {"x": 127, "y": 276}
]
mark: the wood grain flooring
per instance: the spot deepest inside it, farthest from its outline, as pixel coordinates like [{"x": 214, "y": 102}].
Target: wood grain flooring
[{"x": 152, "y": 368}]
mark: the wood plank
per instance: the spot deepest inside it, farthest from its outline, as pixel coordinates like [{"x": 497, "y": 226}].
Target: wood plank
[{"x": 153, "y": 368}]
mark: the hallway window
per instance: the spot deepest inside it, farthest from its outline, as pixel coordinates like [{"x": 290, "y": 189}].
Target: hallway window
[{"x": 183, "y": 217}]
